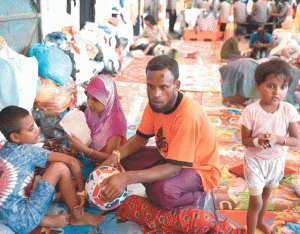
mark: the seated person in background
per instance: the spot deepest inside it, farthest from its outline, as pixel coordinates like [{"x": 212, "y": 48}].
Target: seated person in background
[
  {"x": 260, "y": 14},
  {"x": 184, "y": 165},
  {"x": 158, "y": 42},
  {"x": 224, "y": 8},
  {"x": 278, "y": 14},
  {"x": 238, "y": 81},
  {"x": 230, "y": 49},
  {"x": 261, "y": 42},
  {"x": 106, "y": 120},
  {"x": 154, "y": 34},
  {"x": 204, "y": 4},
  {"x": 287, "y": 47},
  {"x": 240, "y": 12},
  {"x": 23, "y": 207}
]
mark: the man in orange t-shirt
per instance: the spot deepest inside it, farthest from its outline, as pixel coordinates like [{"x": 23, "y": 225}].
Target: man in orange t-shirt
[{"x": 184, "y": 165}]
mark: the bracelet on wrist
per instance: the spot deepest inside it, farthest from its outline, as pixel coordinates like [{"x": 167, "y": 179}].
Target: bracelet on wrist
[
  {"x": 117, "y": 152},
  {"x": 284, "y": 143},
  {"x": 255, "y": 142},
  {"x": 83, "y": 193}
]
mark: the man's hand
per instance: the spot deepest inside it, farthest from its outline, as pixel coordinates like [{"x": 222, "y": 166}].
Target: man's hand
[
  {"x": 115, "y": 186},
  {"x": 111, "y": 161},
  {"x": 257, "y": 44}
]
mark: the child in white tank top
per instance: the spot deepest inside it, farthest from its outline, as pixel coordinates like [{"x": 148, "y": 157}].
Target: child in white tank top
[{"x": 268, "y": 125}]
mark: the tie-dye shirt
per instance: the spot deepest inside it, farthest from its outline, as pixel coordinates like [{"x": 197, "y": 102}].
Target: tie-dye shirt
[{"x": 17, "y": 171}]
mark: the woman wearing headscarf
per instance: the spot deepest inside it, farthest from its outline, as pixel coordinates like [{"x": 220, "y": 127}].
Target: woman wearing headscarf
[{"x": 106, "y": 120}]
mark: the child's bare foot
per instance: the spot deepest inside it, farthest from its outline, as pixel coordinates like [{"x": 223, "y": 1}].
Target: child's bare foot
[
  {"x": 88, "y": 219},
  {"x": 59, "y": 221},
  {"x": 265, "y": 228}
]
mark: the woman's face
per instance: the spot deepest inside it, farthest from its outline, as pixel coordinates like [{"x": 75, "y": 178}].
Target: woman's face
[{"x": 94, "y": 105}]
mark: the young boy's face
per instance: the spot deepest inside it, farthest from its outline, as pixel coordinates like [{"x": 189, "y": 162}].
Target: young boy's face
[
  {"x": 273, "y": 90},
  {"x": 29, "y": 133}
]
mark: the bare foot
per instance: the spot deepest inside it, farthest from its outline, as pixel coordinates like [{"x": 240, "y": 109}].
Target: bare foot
[
  {"x": 59, "y": 221},
  {"x": 193, "y": 55},
  {"x": 88, "y": 219},
  {"x": 265, "y": 228}
]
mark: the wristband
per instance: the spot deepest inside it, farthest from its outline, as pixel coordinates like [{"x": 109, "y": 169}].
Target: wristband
[
  {"x": 255, "y": 142},
  {"x": 83, "y": 193},
  {"x": 117, "y": 152}
]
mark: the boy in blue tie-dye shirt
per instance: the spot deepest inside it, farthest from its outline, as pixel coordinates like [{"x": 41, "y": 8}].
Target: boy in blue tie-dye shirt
[{"x": 21, "y": 208}]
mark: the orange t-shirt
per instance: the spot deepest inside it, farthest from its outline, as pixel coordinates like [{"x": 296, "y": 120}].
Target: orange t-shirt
[{"x": 184, "y": 136}]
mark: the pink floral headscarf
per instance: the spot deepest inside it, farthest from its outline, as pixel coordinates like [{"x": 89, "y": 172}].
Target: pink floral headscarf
[{"x": 111, "y": 121}]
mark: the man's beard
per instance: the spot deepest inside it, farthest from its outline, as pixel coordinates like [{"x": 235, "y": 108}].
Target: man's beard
[{"x": 165, "y": 108}]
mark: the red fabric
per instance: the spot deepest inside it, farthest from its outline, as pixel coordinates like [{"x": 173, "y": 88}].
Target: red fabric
[
  {"x": 225, "y": 229},
  {"x": 152, "y": 218}
]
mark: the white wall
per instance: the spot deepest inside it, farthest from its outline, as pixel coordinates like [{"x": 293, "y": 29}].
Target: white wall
[{"x": 55, "y": 16}]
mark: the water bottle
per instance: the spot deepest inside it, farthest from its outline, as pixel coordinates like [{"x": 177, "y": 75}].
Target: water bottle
[
  {"x": 263, "y": 55},
  {"x": 258, "y": 55}
]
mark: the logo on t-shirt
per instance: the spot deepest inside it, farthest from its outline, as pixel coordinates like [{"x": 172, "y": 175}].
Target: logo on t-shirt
[{"x": 161, "y": 142}]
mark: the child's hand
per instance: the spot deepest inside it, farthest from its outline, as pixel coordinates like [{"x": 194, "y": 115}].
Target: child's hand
[
  {"x": 273, "y": 139},
  {"x": 264, "y": 141}
]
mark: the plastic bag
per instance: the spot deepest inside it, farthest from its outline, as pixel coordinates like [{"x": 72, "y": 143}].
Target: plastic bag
[
  {"x": 18, "y": 78},
  {"x": 52, "y": 97},
  {"x": 56, "y": 37},
  {"x": 49, "y": 123},
  {"x": 54, "y": 64}
]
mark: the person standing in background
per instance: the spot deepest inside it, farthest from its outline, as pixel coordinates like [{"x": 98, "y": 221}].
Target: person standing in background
[{"x": 171, "y": 9}]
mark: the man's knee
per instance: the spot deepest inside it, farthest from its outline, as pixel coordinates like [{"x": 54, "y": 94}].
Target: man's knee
[{"x": 162, "y": 194}]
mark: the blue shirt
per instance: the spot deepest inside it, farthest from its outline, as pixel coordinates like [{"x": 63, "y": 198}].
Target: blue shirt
[
  {"x": 17, "y": 172},
  {"x": 254, "y": 38}
]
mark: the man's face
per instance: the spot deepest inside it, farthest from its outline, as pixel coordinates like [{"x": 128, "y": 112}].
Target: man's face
[{"x": 162, "y": 90}]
